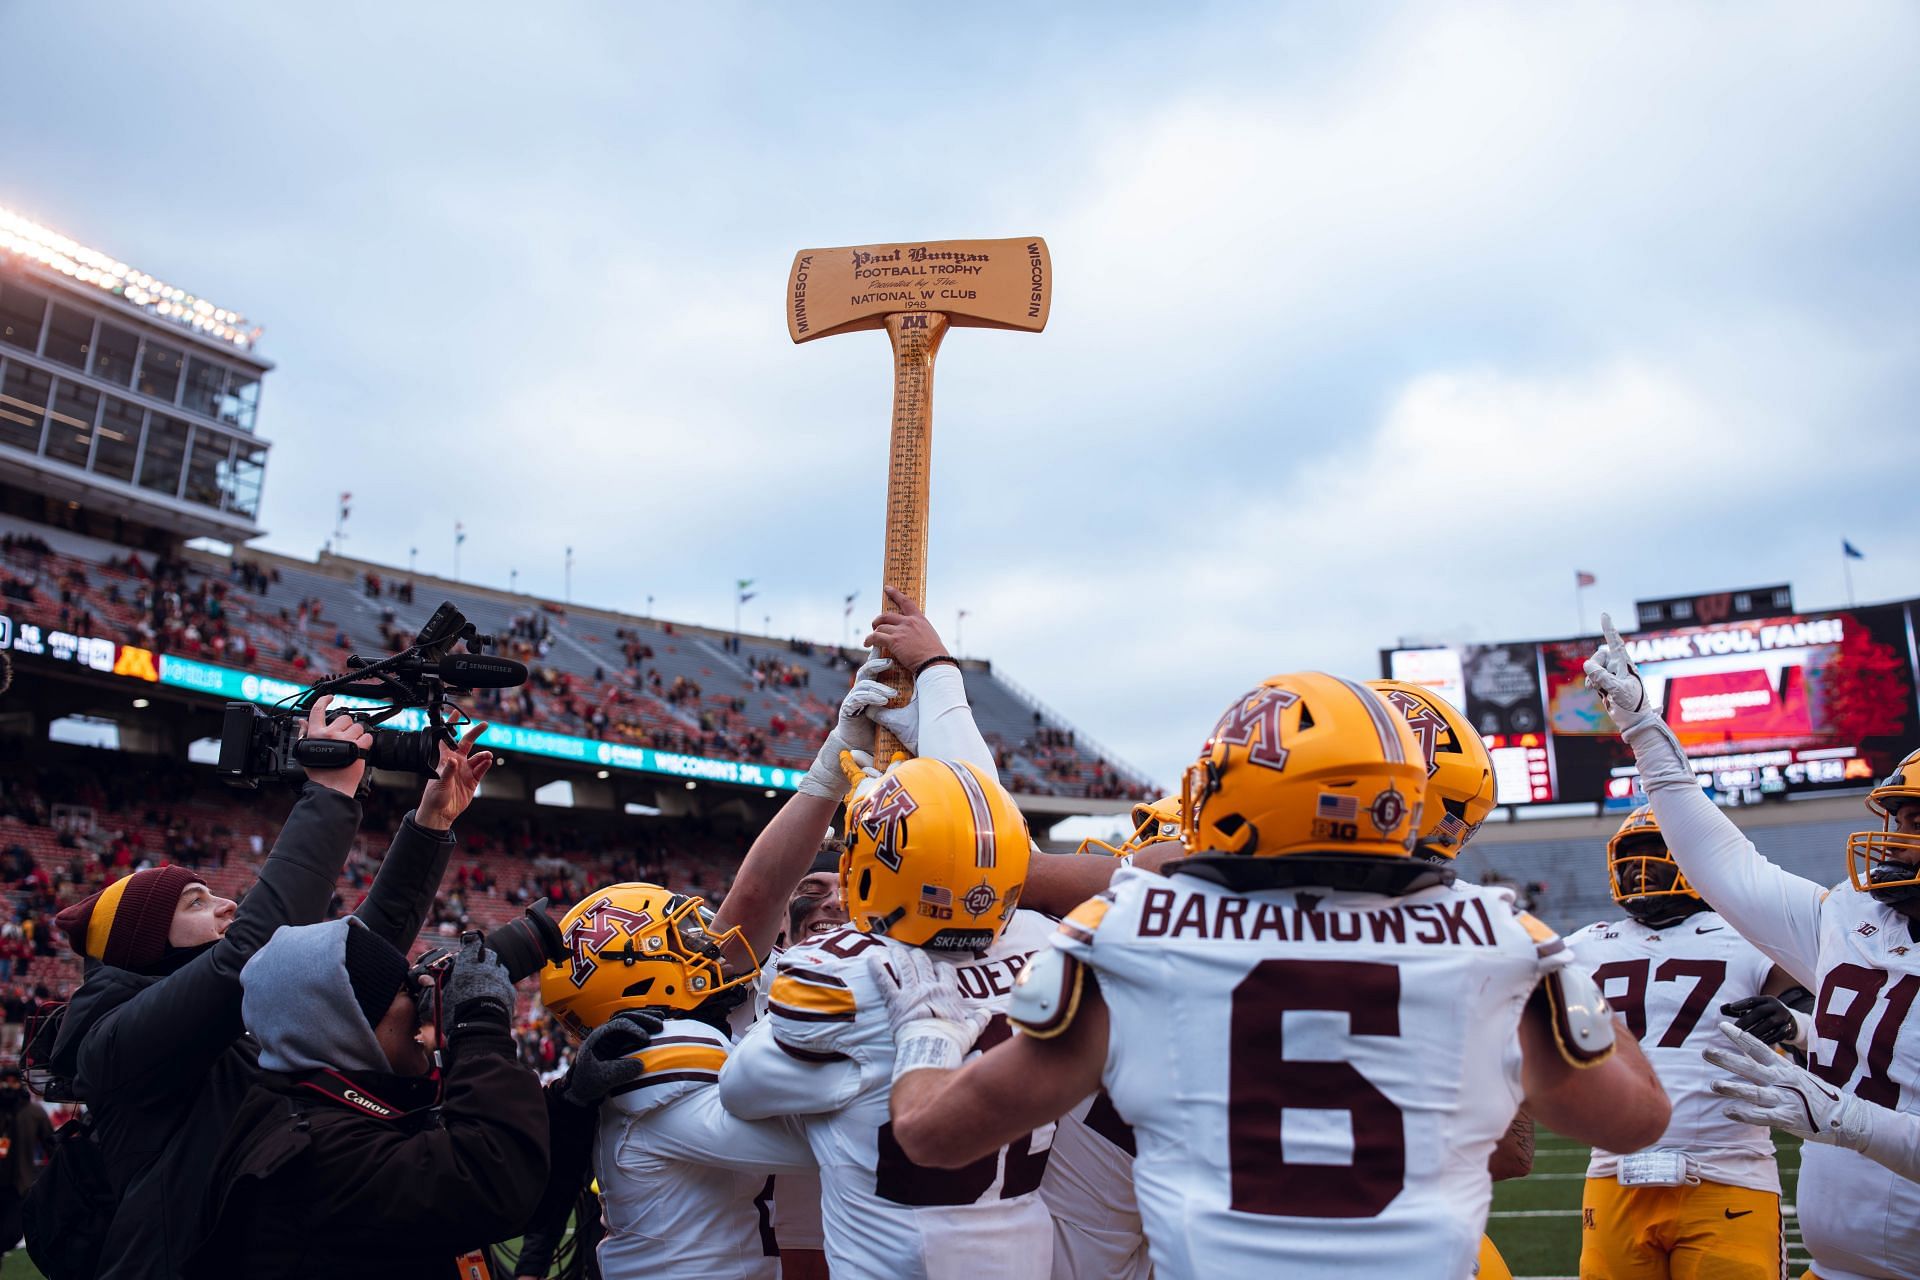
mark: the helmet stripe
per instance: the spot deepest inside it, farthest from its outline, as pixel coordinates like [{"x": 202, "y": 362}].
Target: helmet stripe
[
  {"x": 1390, "y": 742},
  {"x": 983, "y": 849}
]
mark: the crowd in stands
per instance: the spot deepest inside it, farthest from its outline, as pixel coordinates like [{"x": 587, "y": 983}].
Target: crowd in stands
[
  {"x": 765, "y": 709},
  {"x": 114, "y": 820}
]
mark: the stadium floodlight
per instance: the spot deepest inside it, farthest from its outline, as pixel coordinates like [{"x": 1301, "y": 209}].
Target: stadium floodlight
[{"x": 28, "y": 239}]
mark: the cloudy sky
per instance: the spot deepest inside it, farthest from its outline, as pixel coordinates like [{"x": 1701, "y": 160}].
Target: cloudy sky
[{"x": 1369, "y": 321}]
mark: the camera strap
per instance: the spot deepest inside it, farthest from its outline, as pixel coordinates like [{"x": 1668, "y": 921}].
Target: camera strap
[{"x": 355, "y": 1096}]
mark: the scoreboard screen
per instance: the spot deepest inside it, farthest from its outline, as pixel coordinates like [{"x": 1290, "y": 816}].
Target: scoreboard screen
[{"x": 1763, "y": 705}]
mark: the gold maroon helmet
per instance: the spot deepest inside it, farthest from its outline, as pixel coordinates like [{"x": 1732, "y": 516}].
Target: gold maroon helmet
[
  {"x": 1153, "y": 820},
  {"x": 1642, "y": 875},
  {"x": 1306, "y": 764},
  {"x": 1459, "y": 766},
  {"x": 1886, "y": 863},
  {"x": 639, "y": 946},
  {"x": 936, "y": 856}
]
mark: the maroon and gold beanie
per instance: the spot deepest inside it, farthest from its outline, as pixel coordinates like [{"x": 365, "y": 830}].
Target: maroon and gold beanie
[{"x": 126, "y": 923}]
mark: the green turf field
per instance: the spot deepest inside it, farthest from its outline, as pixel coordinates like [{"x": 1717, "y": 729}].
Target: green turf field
[{"x": 1536, "y": 1219}]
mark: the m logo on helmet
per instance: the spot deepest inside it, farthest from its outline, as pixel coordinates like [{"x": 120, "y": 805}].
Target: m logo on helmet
[
  {"x": 884, "y": 819},
  {"x": 1254, "y": 723},
  {"x": 1427, "y": 726},
  {"x": 594, "y": 929}
]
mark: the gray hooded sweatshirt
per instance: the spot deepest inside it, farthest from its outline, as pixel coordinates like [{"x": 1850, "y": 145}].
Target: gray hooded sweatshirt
[{"x": 299, "y": 1004}]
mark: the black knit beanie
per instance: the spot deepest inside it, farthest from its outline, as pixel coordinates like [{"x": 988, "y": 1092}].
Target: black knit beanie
[{"x": 375, "y": 970}]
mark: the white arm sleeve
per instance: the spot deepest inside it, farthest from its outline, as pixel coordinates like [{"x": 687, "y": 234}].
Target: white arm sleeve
[
  {"x": 698, "y": 1129},
  {"x": 947, "y": 730},
  {"x": 761, "y": 1079},
  {"x": 1775, "y": 910},
  {"x": 1895, "y": 1142}
]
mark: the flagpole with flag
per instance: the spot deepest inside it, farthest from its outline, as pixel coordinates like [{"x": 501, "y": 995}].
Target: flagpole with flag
[
  {"x": 459, "y": 536},
  {"x": 740, "y": 596},
  {"x": 1849, "y": 552},
  {"x": 959, "y": 620},
  {"x": 846, "y": 620},
  {"x": 1581, "y": 581},
  {"x": 340, "y": 522}
]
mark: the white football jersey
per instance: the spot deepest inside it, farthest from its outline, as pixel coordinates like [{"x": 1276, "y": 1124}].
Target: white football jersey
[
  {"x": 824, "y": 1054},
  {"x": 1861, "y": 958},
  {"x": 1669, "y": 985},
  {"x": 1860, "y": 1218},
  {"x": 682, "y": 1181},
  {"x": 1088, "y": 1188},
  {"x": 1315, "y": 1079}
]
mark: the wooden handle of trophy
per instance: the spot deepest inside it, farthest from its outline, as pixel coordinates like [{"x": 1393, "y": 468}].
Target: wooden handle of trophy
[{"x": 915, "y": 336}]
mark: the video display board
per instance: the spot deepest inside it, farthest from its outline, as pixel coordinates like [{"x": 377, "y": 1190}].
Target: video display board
[{"x": 1789, "y": 703}]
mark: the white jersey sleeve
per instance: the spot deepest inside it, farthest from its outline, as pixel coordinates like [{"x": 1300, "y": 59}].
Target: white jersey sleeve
[
  {"x": 1315, "y": 1080},
  {"x": 805, "y": 1054},
  {"x": 1774, "y": 909},
  {"x": 947, "y": 728},
  {"x": 1668, "y": 984}
]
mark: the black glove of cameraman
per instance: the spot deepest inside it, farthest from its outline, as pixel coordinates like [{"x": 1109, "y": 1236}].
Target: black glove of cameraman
[
  {"x": 478, "y": 987},
  {"x": 605, "y": 1061},
  {"x": 1766, "y": 1018}
]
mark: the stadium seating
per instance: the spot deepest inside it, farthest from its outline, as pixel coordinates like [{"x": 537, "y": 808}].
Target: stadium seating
[
  {"x": 689, "y": 690},
  {"x": 1565, "y": 880}
]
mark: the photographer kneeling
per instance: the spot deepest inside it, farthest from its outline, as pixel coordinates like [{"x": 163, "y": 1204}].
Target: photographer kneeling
[
  {"x": 152, "y": 1039},
  {"x": 339, "y": 1163}
]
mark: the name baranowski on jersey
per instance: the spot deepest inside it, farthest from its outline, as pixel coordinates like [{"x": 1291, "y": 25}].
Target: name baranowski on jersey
[
  {"x": 824, "y": 1053},
  {"x": 1315, "y": 1080}
]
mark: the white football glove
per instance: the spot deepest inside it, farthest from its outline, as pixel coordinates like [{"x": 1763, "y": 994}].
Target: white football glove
[
  {"x": 1773, "y": 1092},
  {"x": 1612, "y": 675},
  {"x": 933, "y": 1026},
  {"x": 902, "y": 722},
  {"x": 852, "y": 733}
]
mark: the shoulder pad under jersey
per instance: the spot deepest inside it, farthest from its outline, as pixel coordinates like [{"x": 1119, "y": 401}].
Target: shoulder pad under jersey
[
  {"x": 812, "y": 1001},
  {"x": 1581, "y": 1017},
  {"x": 1047, "y": 994},
  {"x": 1075, "y": 932}
]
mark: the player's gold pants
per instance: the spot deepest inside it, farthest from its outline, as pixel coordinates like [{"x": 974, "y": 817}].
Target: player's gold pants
[
  {"x": 1705, "y": 1232},
  {"x": 1491, "y": 1265}
]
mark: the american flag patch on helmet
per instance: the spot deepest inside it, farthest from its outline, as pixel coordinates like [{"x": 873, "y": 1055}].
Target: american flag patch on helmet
[{"x": 1334, "y": 808}]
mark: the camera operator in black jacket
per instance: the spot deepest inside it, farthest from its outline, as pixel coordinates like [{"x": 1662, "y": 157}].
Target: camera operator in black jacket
[
  {"x": 152, "y": 1040},
  {"x": 339, "y": 1163}
]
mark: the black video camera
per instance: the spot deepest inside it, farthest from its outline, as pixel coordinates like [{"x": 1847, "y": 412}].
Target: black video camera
[
  {"x": 257, "y": 744},
  {"x": 524, "y": 947}
]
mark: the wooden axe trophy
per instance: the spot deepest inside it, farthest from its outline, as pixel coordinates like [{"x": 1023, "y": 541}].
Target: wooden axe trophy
[{"x": 916, "y": 291}]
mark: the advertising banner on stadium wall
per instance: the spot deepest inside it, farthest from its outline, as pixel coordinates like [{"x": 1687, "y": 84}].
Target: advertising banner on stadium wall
[{"x": 227, "y": 683}]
